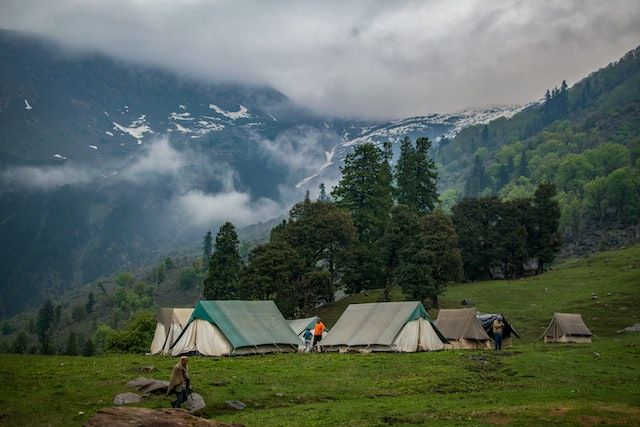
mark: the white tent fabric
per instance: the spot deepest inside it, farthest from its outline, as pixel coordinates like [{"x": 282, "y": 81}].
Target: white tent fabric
[
  {"x": 391, "y": 326},
  {"x": 159, "y": 338},
  {"x": 203, "y": 337},
  {"x": 171, "y": 321},
  {"x": 417, "y": 335}
]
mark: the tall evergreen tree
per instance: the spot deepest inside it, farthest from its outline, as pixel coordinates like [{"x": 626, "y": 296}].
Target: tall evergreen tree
[
  {"x": 477, "y": 180},
  {"x": 224, "y": 265},
  {"x": 44, "y": 326},
  {"x": 72, "y": 345},
  {"x": 323, "y": 197},
  {"x": 546, "y": 241},
  {"x": 416, "y": 176},
  {"x": 365, "y": 190},
  {"x": 399, "y": 236},
  {"x": 207, "y": 245},
  {"x": 91, "y": 300}
]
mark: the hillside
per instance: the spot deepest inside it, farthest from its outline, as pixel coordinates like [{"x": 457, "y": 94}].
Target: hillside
[
  {"x": 583, "y": 138},
  {"x": 108, "y": 166},
  {"x": 593, "y": 383},
  {"x": 604, "y": 288}
]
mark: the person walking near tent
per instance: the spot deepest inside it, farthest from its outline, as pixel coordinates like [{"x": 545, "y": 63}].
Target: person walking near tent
[
  {"x": 308, "y": 340},
  {"x": 498, "y": 326},
  {"x": 179, "y": 382},
  {"x": 317, "y": 333}
]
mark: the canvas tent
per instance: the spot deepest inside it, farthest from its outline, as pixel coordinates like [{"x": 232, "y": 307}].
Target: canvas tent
[
  {"x": 463, "y": 329},
  {"x": 385, "y": 326},
  {"x": 219, "y": 328},
  {"x": 486, "y": 320},
  {"x": 300, "y": 325},
  {"x": 170, "y": 324},
  {"x": 566, "y": 327}
]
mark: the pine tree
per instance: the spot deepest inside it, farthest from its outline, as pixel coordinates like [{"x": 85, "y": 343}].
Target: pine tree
[
  {"x": 405, "y": 174},
  {"x": 324, "y": 197},
  {"x": 72, "y": 345},
  {"x": 207, "y": 245},
  {"x": 398, "y": 236},
  {"x": 426, "y": 177},
  {"x": 546, "y": 240},
  {"x": 365, "y": 190},
  {"x": 477, "y": 180},
  {"x": 44, "y": 326},
  {"x": 224, "y": 266},
  {"x": 91, "y": 300}
]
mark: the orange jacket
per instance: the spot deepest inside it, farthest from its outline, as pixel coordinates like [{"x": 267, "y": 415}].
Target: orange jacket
[{"x": 319, "y": 329}]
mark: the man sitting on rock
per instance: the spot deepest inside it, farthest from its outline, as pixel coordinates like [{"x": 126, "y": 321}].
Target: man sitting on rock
[{"x": 179, "y": 382}]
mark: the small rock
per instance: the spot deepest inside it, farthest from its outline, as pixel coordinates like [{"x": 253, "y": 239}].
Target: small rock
[
  {"x": 594, "y": 297},
  {"x": 221, "y": 383},
  {"x": 236, "y": 404},
  {"x": 125, "y": 398},
  {"x": 467, "y": 301},
  {"x": 279, "y": 394},
  {"x": 80, "y": 413},
  {"x": 596, "y": 354}
]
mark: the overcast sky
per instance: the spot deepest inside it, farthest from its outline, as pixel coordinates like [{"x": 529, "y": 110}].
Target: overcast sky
[{"x": 385, "y": 59}]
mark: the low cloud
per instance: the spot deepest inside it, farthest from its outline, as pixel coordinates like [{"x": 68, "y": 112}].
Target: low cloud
[
  {"x": 204, "y": 209},
  {"x": 159, "y": 159},
  {"x": 43, "y": 178}
]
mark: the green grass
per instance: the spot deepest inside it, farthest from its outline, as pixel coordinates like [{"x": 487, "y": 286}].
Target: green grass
[{"x": 530, "y": 384}]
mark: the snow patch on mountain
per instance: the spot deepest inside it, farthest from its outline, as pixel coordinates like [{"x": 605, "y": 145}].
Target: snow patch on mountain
[
  {"x": 93, "y": 147},
  {"x": 109, "y": 133},
  {"x": 136, "y": 129},
  {"x": 242, "y": 113},
  {"x": 329, "y": 161},
  {"x": 181, "y": 116},
  {"x": 27, "y": 106},
  {"x": 59, "y": 157}
]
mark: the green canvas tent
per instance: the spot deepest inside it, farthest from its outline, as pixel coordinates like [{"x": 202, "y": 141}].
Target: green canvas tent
[
  {"x": 384, "y": 326},
  {"x": 218, "y": 328}
]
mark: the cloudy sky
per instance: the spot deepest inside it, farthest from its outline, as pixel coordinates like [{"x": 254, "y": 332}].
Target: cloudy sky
[{"x": 385, "y": 59}]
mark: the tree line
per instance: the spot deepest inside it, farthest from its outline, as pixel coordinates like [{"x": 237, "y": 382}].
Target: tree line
[{"x": 383, "y": 227}]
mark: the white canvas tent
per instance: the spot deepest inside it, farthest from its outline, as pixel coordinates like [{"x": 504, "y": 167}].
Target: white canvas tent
[
  {"x": 463, "y": 329},
  {"x": 300, "y": 325},
  {"x": 170, "y": 324},
  {"x": 386, "y": 326},
  {"x": 221, "y": 328},
  {"x": 567, "y": 327}
]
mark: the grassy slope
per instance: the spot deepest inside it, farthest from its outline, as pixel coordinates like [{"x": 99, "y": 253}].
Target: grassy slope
[{"x": 590, "y": 383}]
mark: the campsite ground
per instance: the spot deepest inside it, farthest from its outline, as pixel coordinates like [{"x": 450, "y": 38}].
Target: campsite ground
[{"x": 531, "y": 383}]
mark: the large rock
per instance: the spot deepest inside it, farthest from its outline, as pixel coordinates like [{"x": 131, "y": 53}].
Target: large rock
[
  {"x": 145, "y": 417},
  {"x": 125, "y": 398},
  {"x": 632, "y": 328},
  {"x": 149, "y": 385}
]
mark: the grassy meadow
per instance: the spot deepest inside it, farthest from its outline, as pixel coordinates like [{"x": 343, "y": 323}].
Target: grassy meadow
[{"x": 529, "y": 384}]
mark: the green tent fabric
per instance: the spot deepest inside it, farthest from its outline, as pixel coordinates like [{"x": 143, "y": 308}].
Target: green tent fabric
[{"x": 247, "y": 323}]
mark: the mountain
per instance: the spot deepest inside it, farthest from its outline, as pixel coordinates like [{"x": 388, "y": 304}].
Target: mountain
[{"x": 106, "y": 165}]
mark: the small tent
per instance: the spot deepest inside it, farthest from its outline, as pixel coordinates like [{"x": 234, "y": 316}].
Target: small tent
[
  {"x": 463, "y": 329},
  {"x": 486, "y": 320},
  {"x": 385, "y": 326},
  {"x": 566, "y": 327},
  {"x": 170, "y": 324},
  {"x": 220, "y": 328},
  {"x": 300, "y": 325}
]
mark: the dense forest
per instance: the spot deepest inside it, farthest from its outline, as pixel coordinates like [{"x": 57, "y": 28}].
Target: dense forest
[{"x": 584, "y": 139}]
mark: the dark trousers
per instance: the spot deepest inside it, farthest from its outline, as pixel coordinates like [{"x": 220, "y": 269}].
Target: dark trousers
[
  {"x": 316, "y": 340},
  {"x": 497, "y": 338},
  {"x": 181, "y": 397}
]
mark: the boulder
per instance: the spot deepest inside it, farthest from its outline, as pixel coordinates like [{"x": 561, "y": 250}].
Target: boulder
[
  {"x": 125, "y": 398},
  {"x": 145, "y": 417},
  {"x": 149, "y": 385},
  {"x": 195, "y": 403}
]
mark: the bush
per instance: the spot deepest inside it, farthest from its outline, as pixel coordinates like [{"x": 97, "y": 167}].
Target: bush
[{"x": 135, "y": 338}]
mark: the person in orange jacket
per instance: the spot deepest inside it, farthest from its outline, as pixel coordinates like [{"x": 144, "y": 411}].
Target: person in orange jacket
[{"x": 317, "y": 333}]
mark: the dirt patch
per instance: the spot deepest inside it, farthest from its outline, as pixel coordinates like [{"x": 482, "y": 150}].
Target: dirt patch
[
  {"x": 498, "y": 419},
  {"x": 559, "y": 411},
  {"x": 589, "y": 421}
]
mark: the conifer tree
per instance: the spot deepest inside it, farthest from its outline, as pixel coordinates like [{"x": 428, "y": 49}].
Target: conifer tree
[
  {"x": 207, "y": 246},
  {"x": 426, "y": 177},
  {"x": 546, "y": 240},
  {"x": 72, "y": 345},
  {"x": 477, "y": 180},
  {"x": 44, "y": 326},
  {"x": 323, "y": 197},
  {"x": 224, "y": 265},
  {"x": 91, "y": 300}
]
